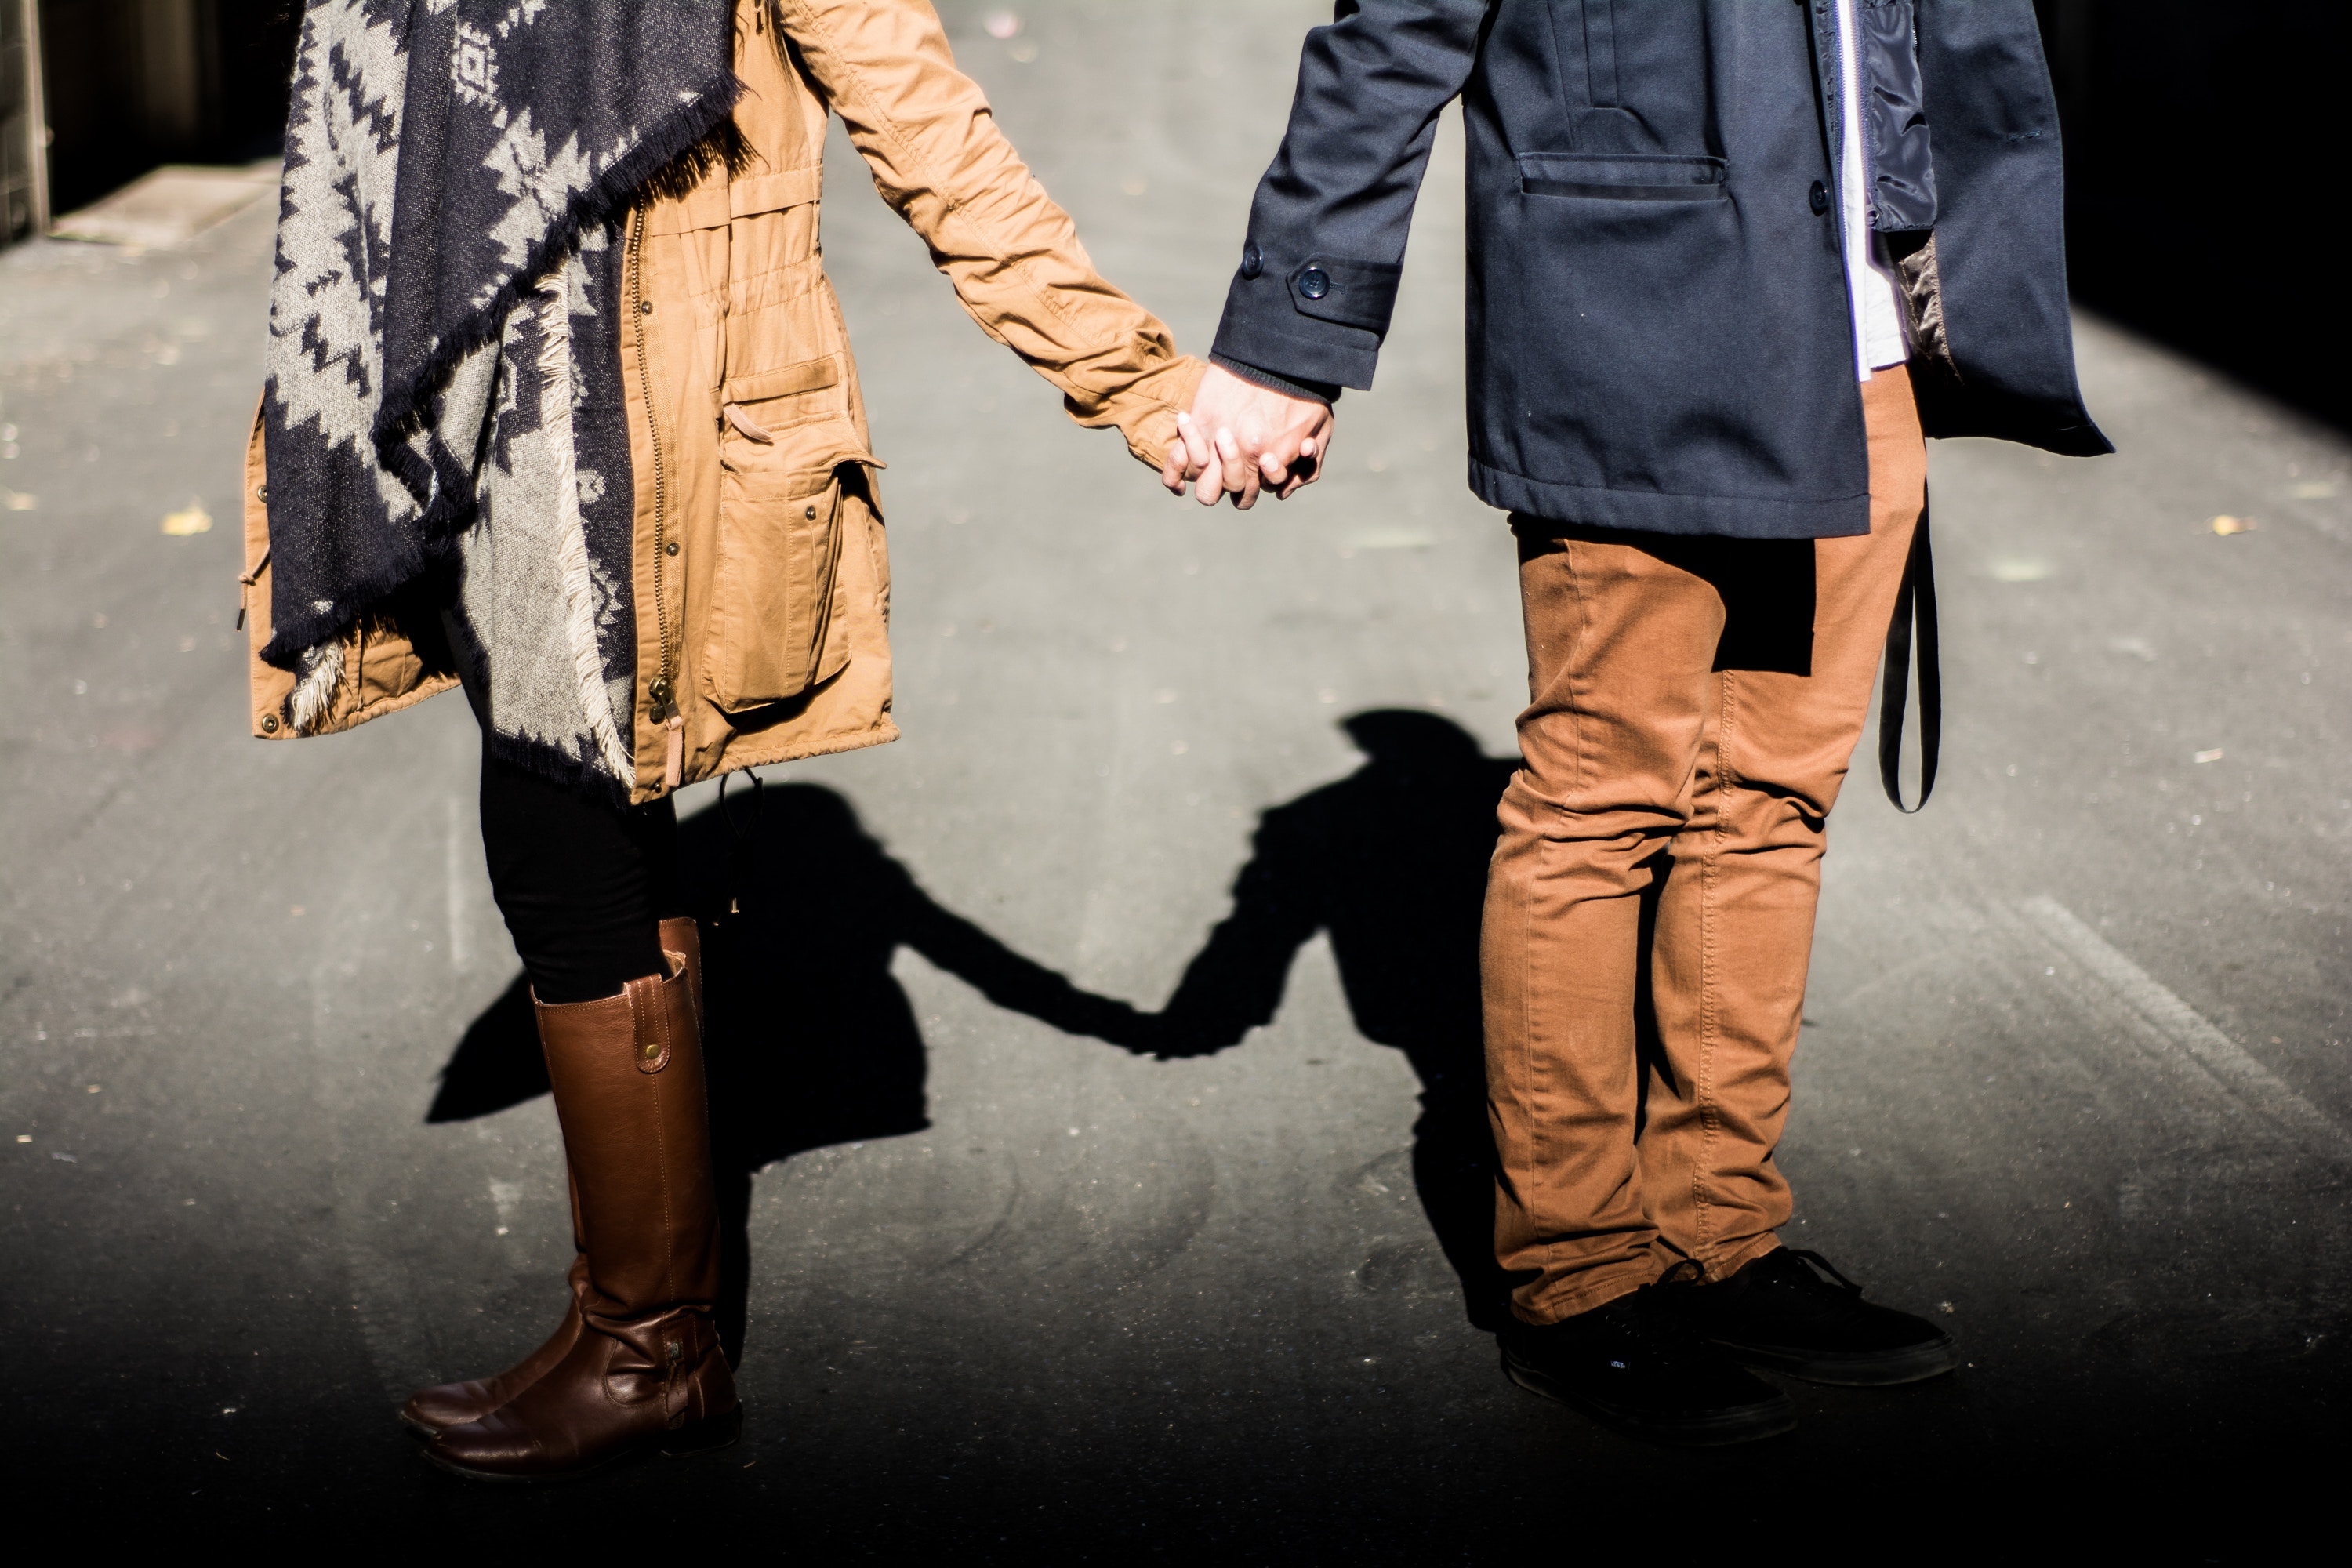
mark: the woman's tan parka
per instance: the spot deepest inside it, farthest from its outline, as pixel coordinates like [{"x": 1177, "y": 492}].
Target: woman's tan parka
[{"x": 762, "y": 580}]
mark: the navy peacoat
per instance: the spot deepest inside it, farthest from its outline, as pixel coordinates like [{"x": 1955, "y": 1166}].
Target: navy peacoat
[{"x": 1659, "y": 332}]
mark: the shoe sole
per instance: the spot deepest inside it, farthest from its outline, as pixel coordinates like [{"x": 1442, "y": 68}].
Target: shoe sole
[
  {"x": 1890, "y": 1369},
  {"x": 1720, "y": 1429},
  {"x": 703, "y": 1437}
]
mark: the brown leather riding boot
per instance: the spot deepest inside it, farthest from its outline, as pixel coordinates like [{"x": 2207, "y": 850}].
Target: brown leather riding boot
[
  {"x": 645, "y": 1370},
  {"x": 432, "y": 1411}
]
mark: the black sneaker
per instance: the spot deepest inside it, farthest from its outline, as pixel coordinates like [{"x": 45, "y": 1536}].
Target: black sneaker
[
  {"x": 1791, "y": 1312},
  {"x": 1620, "y": 1366}
]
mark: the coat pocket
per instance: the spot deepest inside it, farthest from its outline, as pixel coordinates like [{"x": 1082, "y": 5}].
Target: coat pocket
[
  {"x": 1622, "y": 177},
  {"x": 780, "y": 528}
]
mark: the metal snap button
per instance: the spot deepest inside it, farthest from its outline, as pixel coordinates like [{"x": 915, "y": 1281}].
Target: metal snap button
[
  {"x": 646, "y": 306},
  {"x": 671, "y": 548},
  {"x": 269, "y": 723},
  {"x": 811, "y": 514},
  {"x": 1315, "y": 283}
]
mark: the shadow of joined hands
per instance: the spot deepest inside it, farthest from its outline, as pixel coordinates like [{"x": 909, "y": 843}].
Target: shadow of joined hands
[
  {"x": 1390, "y": 864},
  {"x": 811, "y": 1041}
]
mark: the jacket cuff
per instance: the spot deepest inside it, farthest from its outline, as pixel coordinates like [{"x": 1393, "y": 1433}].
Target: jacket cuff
[
  {"x": 1319, "y": 391},
  {"x": 1320, "y": 318},
  {"x": 1146, "y": 412}
]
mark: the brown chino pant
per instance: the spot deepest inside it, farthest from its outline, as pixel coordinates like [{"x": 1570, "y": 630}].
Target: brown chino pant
[{"x": 1694, "y": 704}]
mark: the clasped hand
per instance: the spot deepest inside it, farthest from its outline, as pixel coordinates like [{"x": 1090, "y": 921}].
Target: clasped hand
[{"x": 1241, "y": 439}]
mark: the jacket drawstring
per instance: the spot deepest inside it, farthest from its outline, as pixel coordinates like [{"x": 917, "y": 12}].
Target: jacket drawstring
[{"x": 245, "y": 585}]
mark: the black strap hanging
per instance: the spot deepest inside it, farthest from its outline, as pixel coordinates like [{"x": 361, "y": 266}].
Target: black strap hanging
[
  {"x": 1915, "y": 600},
  {"x": 744, "y": 853}
]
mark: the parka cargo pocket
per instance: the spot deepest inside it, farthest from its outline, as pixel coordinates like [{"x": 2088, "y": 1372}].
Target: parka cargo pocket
[{"x": 780, "y": 535}]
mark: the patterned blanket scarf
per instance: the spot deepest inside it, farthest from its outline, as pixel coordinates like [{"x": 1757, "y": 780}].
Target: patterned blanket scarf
[{"x": 444, "y": 402}]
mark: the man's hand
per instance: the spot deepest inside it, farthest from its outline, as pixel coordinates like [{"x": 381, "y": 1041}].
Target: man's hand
[{"x": 1240, "y": 437}]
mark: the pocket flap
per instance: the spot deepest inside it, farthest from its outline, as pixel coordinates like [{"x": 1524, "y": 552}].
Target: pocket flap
[
  {"x": 809, "y": 375},
  {"x": 1622, "y": 177},
  {"x": 752, "y": 194},
  {"x": 795, "y": 462}
]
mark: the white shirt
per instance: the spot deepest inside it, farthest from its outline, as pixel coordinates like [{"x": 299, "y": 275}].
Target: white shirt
[{"x": 1878, "y": 340}]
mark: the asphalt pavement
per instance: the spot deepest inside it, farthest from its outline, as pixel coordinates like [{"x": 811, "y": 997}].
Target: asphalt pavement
[{"x": 273, "y": 1151}]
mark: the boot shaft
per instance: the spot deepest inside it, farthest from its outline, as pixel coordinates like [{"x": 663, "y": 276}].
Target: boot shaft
[{"x": 629, "y": 1091}]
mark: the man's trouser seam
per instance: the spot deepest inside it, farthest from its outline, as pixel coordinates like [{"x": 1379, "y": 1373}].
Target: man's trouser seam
[
  {"x": 1532, "y": 1199},
  {"x": 1535, "y": 1198},
  {"x": 1580, "y": 775},
  {"x": 1710, "y": 869}
]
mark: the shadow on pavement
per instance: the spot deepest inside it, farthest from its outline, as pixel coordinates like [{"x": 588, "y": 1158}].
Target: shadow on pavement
[
  {"x": 811, "y": 1040},
  {"x": 1391, "y": 862}
]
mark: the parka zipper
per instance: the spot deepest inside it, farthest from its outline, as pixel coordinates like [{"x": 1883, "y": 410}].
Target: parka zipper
[{"x": 661, "y": 693}]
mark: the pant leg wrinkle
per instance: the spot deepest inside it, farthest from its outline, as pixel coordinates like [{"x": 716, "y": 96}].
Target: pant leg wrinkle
[
  {"x": 1734, "y": 940},
  {"x": 1605, "y": 781}
]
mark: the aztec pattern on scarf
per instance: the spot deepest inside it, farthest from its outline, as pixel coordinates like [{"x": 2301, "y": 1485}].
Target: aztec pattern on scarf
[{"x": 445, "y": 399}]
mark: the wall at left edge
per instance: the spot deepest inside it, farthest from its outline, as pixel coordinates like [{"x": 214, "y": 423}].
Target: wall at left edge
[{"x": 95, "y": 92}]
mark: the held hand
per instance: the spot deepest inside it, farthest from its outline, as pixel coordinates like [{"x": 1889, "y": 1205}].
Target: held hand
[{"x": 1240, "y": 437}]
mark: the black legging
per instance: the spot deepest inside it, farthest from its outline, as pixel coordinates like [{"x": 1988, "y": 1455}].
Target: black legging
[{"x": 582, "y": 885}]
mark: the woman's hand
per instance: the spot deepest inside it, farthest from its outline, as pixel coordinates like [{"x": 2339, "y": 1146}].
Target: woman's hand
[{"x": 1240, "y": 437}]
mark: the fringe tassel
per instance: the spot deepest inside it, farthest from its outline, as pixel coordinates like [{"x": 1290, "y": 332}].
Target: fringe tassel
[
  {"x": 314, "y": 688},
  {"x": 572, "y": 556}
]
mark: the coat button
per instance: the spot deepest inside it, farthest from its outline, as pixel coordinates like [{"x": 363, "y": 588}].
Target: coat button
[
  {"x": 1253, "y": 261},
  {"x": 1315, "y": 283},
  {"x": 269, "y": 723},
  {"x": 1818, "y": 198},
  {"x": 646, "y": 306},
  {"x": 671, "y": 548},
  {"x": 811, "y": 514}
]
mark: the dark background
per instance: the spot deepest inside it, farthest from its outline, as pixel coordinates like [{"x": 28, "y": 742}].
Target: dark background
[
  {"x": 2200, "y": 140},
  {"x": 122, "y": 96}
]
